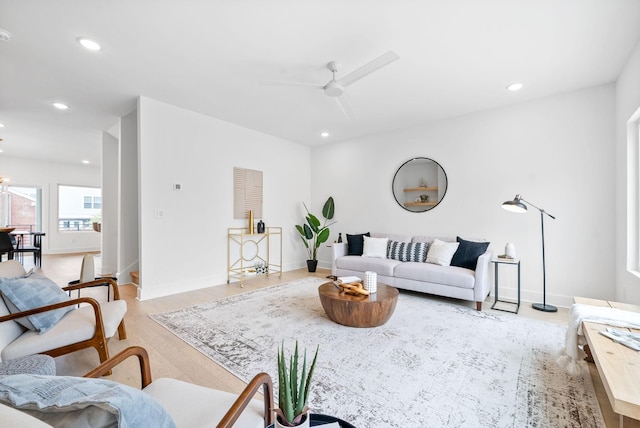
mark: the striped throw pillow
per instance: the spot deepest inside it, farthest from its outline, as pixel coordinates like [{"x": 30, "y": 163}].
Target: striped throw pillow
[{"x": 407, "y": 251}]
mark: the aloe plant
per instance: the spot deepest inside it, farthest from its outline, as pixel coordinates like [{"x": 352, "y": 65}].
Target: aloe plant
[
  {"x": 313, "y": 233},
  {"x": 293, "y": 393}
]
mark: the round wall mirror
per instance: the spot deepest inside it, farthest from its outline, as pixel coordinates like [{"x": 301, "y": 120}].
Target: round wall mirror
[{"x": 419, "y": 184}]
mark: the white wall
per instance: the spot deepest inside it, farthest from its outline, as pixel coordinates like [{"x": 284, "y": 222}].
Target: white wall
[
  {"x": 128, "y": 199},
  {"x": 109, "y": 234},
  {"x": 186, "y": 247},
  {"x": 557, "y": 152},
  {"x": 48, "y": 175},
  {"x": 627, "y": 102}
]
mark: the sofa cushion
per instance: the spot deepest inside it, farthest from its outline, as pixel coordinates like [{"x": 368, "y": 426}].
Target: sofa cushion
[
  {"x": 392, "y": 236},
  {"x": 382, "y": 267},
  {"x": 467, "y": 254},
  {"x": 445, "y": 275},
  {"x": 355, "y": 244},
  {"x": 375, "y": 247},
  {"x": 22, "y": 294},
  {"x": 82, "y": 402},
  {"x": 440, "y": 252},
  {"x": 407, "y": 251},
  {"x": 430, "y": 239}
]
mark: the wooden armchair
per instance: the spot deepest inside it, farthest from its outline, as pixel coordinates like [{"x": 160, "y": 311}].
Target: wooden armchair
[
  {"x": 192, "y": 405},
  {"x": 90, "y": 325}
]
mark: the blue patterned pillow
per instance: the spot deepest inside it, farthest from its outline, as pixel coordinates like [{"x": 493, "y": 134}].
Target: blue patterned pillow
[
  {"x": 21, "y": 294},
  {"x": 407, "y": 251},
  {"x": 64, "y": 401}
]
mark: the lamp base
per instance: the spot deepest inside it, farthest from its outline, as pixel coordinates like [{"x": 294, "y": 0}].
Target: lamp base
[{"x": 544, "y": 307}]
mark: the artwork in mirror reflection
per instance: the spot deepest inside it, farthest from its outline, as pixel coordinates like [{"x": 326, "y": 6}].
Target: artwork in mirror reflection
[{"x": 419, "y": 184}]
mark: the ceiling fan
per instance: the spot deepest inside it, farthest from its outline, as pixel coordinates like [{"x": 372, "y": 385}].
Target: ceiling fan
[{"x": 336, "y": 87}]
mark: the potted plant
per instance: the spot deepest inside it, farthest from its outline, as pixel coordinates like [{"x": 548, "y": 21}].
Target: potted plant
[
  {"x": 313, "y": 233},
  {"x": 96, "y": 221},
  {"x": 293, "y": 392}
]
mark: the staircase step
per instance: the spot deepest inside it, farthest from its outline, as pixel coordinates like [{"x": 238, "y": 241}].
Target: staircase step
[{"x": 135, "y": 277}]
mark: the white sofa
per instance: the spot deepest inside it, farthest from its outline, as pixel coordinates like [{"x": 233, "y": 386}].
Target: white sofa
[{"x": 448, "y": 281}]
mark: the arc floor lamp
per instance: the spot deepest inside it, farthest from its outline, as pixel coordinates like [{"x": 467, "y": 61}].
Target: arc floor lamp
[{"x": 518, "y": 206}]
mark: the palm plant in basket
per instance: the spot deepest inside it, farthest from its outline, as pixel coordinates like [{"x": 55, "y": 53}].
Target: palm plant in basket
[
  {"x": 314, "y": 233},
  {"x": 293, "y": 391}
]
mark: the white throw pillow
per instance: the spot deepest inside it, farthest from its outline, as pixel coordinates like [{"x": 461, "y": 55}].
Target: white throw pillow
[
  {"x": 375, "y": 247},
  {"x": 441, "y": 253}
]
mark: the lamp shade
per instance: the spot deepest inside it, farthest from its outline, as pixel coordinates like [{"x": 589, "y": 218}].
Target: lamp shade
[{"x": 515, "y": 206}]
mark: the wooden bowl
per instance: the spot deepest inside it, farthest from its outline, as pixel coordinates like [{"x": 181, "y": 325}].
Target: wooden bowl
[{"x": 7, "y": 229}]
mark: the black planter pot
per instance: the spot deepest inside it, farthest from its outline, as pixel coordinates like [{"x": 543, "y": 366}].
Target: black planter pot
[{"x": 312, "y": 265}]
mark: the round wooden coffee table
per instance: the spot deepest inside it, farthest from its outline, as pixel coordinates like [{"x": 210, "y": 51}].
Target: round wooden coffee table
[{"x": 358, "y": 311}]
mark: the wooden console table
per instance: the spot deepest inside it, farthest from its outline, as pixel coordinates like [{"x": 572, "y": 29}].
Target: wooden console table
[
  {"x": 241, "y": 261},
  {"x": 618, "y": 366}
]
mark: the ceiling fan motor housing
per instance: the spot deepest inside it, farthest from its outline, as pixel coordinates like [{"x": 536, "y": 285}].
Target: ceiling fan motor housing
[{"x": 334, "y": 89}]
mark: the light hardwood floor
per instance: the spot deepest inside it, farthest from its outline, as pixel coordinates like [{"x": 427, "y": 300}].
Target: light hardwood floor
[{"x": 171, "y": 357}]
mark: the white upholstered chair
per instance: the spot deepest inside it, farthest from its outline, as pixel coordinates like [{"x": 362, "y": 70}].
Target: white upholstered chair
[
  {"x": 90, "y": 325},
  {"x": 188, "y": 405}
]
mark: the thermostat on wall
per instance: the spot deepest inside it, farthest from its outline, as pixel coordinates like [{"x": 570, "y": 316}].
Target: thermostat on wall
[{"x": 177, "y": 187}]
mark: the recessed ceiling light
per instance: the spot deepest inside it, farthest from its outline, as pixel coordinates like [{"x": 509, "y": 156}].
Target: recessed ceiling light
[
  {"x": 1, "y": 125},
  {"x": 515, "y": 87},
  {"x": 1, "y": 151},
  {"x": 5, "y": 36},
  {"x": 60, "y": 106},
  {"x": 86, "y": 162},
  {"x": 89, "y": 44},
  {"x": 324, "y": 134}
]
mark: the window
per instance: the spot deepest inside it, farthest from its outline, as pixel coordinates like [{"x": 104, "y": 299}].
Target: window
[
  {"x": 21, "y": 207},
  {"x": 633, "y": 193},
  {"x": 91, "y": 202},
  {"x": 78, "y": 207}
]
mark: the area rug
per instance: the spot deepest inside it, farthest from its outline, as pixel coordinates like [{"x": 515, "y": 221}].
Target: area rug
[{"x": 435, "y": 363}]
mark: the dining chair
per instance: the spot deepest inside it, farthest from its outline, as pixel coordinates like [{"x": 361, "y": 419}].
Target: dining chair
[
  {"x": 6, "y": 247},
  {"x": 34, "y": 247},
  {"x": 88, "y": 273}
]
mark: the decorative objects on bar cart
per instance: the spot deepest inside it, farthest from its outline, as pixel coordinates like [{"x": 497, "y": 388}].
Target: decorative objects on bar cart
[{"x": 250, "y": 225}]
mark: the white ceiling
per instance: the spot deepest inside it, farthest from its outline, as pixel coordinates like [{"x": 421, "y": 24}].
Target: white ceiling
[{"x": 456, "y": 57}]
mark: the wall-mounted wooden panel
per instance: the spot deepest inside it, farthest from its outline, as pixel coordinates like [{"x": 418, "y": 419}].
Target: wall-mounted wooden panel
[{"x": 247, "y": 192}]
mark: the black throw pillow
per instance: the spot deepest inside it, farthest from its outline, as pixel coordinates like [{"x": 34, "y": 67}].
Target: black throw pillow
[
  {"x": 466, "y": 256},
  {"x": 355, "y": 244}
]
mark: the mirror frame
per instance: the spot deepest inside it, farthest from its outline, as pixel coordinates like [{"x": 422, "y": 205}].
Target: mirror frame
[{"x": 406, "y": 205}]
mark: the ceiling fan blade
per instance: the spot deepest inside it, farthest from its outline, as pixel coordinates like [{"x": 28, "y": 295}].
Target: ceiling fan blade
[
  {"x": 369, "y": 68},
  {"x": 292, "y": 84},
  {"x": 345, "y": 106}
]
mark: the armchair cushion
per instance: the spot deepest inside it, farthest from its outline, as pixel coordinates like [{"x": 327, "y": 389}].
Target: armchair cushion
[
  {"x": 193, "y": 405},
  {"x": 82, "y": 402},
  {"x": 11, "y": 269},
  {"x": 21, "y": 294},
  {"x": 76, "y": 326}
]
